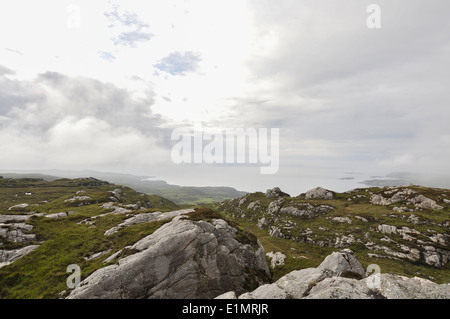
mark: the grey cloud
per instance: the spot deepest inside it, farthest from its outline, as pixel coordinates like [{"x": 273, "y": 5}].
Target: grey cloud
[
  {"x": 371, "y": 95},
  {"x": 53, "y": 96},
  {"x": 77, "y": 122}
]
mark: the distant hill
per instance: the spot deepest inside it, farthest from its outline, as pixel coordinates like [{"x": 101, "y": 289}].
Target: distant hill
[
  {"x": 178, "y": 194},
  {"x": 48, "y": 178},
  {"x": 407, "y": 178}
]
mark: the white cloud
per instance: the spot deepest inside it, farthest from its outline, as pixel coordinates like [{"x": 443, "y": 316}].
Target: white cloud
[{"x": 342, "y": 95}]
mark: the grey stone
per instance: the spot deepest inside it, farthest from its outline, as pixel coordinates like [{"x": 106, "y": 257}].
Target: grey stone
[
  {"x": 267, "y": 291},
  {"x": 275, "y": 206},
  {"x": 182, "y": 259},
  {"x": 421, "y": 201},
  {"x": 60, "y": 215},
  {"x": 19, "y": 206},
  {"x": 342, "y": 220},
  {"x": 377, "y": 199},
  {"x": 254, "y": 205},
  {"x": 343, "y": 261},
  {"x": 147, "y": 218},
  {"x": 14, "y": 232},
  {"x": 297, "y": 283},
  {"x": 227, "y": 295},
  {"x": 319, "y": 193},
  {"x": 9, "y": 256},
  {"x": 400, "y": 287},
  {"x": 13, "y": 218},
  {"x": 324, "y": 282},
  {"x": 387, "y": 229},
  {"x": 339, "y": 288},
  {"x": 364, "y": 220},
  {"x": 277, "y": 258},
  {"x": 77, "y": 198}
]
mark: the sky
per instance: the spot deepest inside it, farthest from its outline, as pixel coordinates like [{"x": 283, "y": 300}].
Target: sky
[{"x": 102, "y": 85}]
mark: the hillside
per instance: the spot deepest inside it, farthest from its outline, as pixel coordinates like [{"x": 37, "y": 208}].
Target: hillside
[
  {"x": 404, "y": 230},
  {"x": 189, "y": 195},
  {"x": 63, "y": 222},
  {"x": 151, "y": 247}
]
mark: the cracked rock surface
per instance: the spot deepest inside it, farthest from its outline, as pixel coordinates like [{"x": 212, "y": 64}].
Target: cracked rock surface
[
  {"x": 341, "y": 276},
  {"x": 182, "y": 259}
]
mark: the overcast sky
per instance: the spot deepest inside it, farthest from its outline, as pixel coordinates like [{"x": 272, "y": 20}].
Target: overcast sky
[{"x": 102, "y": 84}]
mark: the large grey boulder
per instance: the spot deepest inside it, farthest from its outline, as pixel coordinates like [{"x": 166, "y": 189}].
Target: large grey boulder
[
  {"x": 182, "y": 259},
  {"x": 275, "y": 193},
  {"x": 337, "y": 278},
  {"x": 14, "y": 218},
  {"x": 319, "y": 193},
  {"x": 343, "y": 262},
  {"x": 60, "y": 215},
  {"x": 421, "y": 201},
  {"x": 277, "y": 258}
]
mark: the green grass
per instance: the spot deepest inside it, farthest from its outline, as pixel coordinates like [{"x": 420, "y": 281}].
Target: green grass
[
  {"x": 63, "y": 241},
  {"x": 42, "y": 273}
]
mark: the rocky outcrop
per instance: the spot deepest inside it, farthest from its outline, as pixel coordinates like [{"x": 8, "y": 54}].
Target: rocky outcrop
[
  {"x": 406, "y": 195},
  {"x": 319, "y": 193},
  {"x": 78, "y": 199},
  {"x": 275, "y": 193},
  {"x": 60, "y": 215},
  {"x": 276, "y": 259},
  {"x": 343, "y": 262},
  {"x": 17, "y": 232},
  {"x": 147, "y": 218},
  {"x": 13, "y": 218},
  {"x": 116, "y": 210},
  {"x": 342, "y": 220},
  {"x": 421, "y": 201},
  {"x": 387, "y": 229},
  {"x": 19, "y": 206},
  {"x": 116, "y": 195},
  {"x": 341, "y": 276},
  {"x": 305, "y": 210},
  {"x": 182, "y": 259},
  {"x": 9, "y": 256}
]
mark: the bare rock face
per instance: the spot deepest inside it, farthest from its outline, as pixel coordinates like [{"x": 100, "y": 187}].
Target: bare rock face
[
  {"x": 9, "y": 256},
  {"x": 147, "y": 218},
  {"x": 15, "y": 232},
  {"x": 319, "y": 193},
  {"x": 60, "y": 215},
  {"x": 341, "y": 276},
  {"x": 182, "y": 259}
]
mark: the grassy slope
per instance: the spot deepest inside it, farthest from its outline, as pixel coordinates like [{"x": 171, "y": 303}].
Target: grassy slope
[{"x": 42, "y": 273}]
